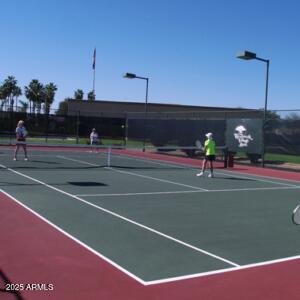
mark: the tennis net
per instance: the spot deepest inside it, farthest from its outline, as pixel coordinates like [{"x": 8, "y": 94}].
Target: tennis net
[{"x": 85, "y": 157}]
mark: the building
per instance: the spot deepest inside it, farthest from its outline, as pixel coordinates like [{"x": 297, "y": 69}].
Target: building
[{"x": 121, "y": 109}]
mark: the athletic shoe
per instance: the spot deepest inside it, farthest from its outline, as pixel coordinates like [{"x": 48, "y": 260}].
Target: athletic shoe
[
  {"x": 15, "y": 158},
  {"x": 211, "y": 175},
  {"x": 26, "y": 159},
  {"x": 200, "y": 174}
]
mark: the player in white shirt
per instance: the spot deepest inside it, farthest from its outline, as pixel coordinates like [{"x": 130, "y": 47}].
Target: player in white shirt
[
  {"x": 21, "y": 134},
  {"x": 94, "y": 139}
]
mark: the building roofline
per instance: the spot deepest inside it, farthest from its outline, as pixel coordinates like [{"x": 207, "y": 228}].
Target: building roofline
[{"x": 165, "y": 105}]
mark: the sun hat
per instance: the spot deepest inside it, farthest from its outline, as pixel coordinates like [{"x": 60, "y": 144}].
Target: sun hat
[{"x": 209, "y": 135}]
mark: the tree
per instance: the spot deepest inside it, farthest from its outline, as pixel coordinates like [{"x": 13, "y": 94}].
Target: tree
[
  {"x": 17, "y": 93},
  {"x": 91, "y": 96},
  {"x": 63, "y": 107},
  {"x": 293, "y": 116},
  {"x": 271, "y": 114},
  {"x": 24, "y": 106},
  {"x": 10, "y": 91},
  {"x": 78, "y": 94},
  {"x": 48, "y": 94},
  {"x": 2, "y": 97},
  {"x": 33, "y": 93}
]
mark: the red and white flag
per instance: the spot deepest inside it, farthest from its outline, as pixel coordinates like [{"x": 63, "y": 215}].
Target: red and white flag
[{"x": 94, "y": 59}]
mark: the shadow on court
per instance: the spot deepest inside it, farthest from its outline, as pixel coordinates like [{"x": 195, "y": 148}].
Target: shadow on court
[
  {"x": 235, "y": 178},
  {"x": 45, "y": 162}
]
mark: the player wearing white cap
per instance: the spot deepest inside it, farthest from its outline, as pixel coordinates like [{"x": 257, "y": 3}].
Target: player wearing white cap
[
  {"x": 210, "y": 155},
  {"x": 21, "y": 134}
]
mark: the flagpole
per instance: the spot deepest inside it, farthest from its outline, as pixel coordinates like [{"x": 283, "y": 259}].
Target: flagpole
[
  {"x": 94, "y": 71},
  {"x": 94, "y": 75}
]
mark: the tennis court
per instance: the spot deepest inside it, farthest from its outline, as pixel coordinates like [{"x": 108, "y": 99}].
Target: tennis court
[{"x": 124, "y": 224}]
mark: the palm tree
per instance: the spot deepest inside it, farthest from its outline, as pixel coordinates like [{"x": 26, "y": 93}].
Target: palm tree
[
  {"x": 91, "y": 96},
  {"x": 49, "y": 94},
  {"x": 2, "y": 97},
  {"x": 17, "y": 93},
  {"x": 33, "y": 93},
  {"x": 78, "y": 94},
  {"x": 8, "y": 87},
  {"x": 24, "y": 106},
  {"x": 10, "y": 90}
]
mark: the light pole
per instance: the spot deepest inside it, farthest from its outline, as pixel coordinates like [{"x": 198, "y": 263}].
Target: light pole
[
  {"x": 247, "y": 55},
  {"x": 133, "y": 76}
]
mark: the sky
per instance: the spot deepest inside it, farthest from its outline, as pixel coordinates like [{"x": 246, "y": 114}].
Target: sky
[{"x": 187, "y": 49}]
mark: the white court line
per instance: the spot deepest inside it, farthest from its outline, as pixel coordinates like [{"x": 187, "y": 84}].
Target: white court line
[
  {"x": 191, "y": 166},
  {"x": 231, "y": 173},
  {"x": 74, "y": 238},
  {"x": 126, "y": 219},
  {"x": 258, "y": 189},
  {"x": 196, "y": 275},
  {"x": 197, "y": 188},
  {"x": 191, "y": 191},
  {"x": 152, "y": 282},
  {"x": 139, "y": 194},
  {"x": 134, "y": 174},
  {"x": 254, "y": 177},
  {"x": 174, "y": 164},
  {"x": 156, "y": 161},
  {"x": 78, "y": 161},
  {"x": 158, "y": 179}
]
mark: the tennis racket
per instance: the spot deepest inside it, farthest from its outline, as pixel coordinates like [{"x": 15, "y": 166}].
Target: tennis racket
[
  {"x": 296, "y": 215},
  {"x": 199, "y": 145}
]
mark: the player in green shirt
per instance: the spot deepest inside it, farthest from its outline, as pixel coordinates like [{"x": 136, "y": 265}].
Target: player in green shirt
[{"x": 210, "y": 155}]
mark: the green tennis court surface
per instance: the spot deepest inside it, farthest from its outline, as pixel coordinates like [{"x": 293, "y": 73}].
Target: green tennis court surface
[{"x": 155, "y": 219}]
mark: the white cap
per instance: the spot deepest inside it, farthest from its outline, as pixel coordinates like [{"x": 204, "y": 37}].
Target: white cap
[{"x": 209, "y": 135}]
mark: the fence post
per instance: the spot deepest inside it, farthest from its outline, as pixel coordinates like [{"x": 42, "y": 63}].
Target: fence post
[
  {"x": 11, "y": 126},
  {"x": 47, "y": 125},
  {"x": 126, "y": 131},
  {"x": 77, "y": 126}
]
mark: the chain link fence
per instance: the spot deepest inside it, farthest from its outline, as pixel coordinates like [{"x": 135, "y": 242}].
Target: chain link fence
[
  {"x": 61, "y": 128},
  {"x": 244, "y": 132}
]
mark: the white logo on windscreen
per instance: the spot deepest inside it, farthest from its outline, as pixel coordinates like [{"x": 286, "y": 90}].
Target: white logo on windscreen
[{"x": 242, "y": 136}]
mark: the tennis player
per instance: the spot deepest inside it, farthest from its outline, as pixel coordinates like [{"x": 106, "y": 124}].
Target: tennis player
[
  {"x": 210, "y": 155},
  {"x": 21, "y": 134},
  {"x": 94, "y": 139}
]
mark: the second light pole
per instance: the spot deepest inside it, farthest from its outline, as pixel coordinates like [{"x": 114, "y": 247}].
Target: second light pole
[
  {"x": 247, "y": 55},
  {"x": 133, "y": 76}
]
